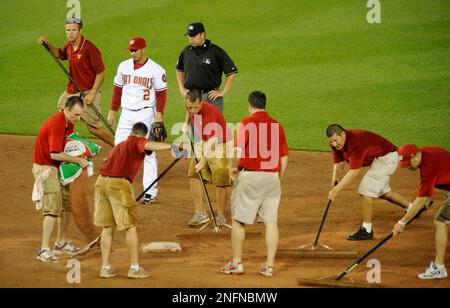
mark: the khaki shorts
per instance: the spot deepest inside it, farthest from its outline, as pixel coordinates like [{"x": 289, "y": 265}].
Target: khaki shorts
[
  {"x": 217, "y": 170},
  {"x": 256, "y": 194},
  {"x": 89, "y": 116},
  {"x": 376, "y": 181},
  {"x": 444, "y": 212},
  {"x": 56, "y": 196},
  {"x": 115, "y": 203}
]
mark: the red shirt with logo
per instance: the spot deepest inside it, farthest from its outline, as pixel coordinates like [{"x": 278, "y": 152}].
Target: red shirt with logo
[
  {"x": 50, "y": 139},
  {"x": 211, "y": 123},
  {"x": 262, "y": 141},
  {"x": 434, "y": 170},
  {"x": 84, "y": 64},
  {"x": 126, "y": 158},
  {"x": 361, "y": 148}
]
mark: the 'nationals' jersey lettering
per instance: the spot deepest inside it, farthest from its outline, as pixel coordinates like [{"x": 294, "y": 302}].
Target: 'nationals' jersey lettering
[{"x": 138, "y": 80}]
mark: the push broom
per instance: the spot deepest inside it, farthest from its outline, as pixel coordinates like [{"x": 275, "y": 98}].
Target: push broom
[
  {"x": 343, "y": 284},
  {"x": 313, "y": 252}
]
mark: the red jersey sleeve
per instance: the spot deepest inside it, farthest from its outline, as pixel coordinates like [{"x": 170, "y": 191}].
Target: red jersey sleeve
[
  {"x": 161, "y": 99},
  {"x": 284, "y": 151},
  {"x": 56, "y": 137},
  {"x": 116, "y": 98},
  {"x": 427, "y": 184},
  {"x": 95, "y": 59},
  {"x": 63, "y": 53},
  {"x": 141, "y": 143}
]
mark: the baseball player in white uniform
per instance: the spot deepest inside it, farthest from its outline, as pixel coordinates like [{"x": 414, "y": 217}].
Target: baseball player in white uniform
[{"x": 140, "y": 88}]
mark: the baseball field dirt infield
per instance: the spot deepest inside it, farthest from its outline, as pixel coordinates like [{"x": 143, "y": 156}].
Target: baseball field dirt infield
[{"x": 304, "y": 197}]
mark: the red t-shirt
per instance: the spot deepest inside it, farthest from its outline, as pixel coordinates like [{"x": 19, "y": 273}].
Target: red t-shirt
[
  {"x": 50, "y": 139},
  {"x": 210, "y": 122},
  {"x": 434, "y": 170},
  {"x": 262, "y": 141},
  {"x": 361, "y": 148},
  {"x": 126, "y": 158},
  {"x": 84, "y": 64}
]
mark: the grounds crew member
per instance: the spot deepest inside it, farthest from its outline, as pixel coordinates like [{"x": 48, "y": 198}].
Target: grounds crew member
[
  {"x": 210, "y": 150},
  {"x": 200, "y": 66},
  {"x": 48, "y": 153},
  {"x": 361, "y": 148},
  {"x": 257, "y": 191},
  {"x": 115, "y": 203},
  {"x": 434, "y": 166},
  {"x": 87, "y": 70}
]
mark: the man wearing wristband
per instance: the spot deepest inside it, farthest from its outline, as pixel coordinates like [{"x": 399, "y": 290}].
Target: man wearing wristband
[{"x": 434, "y": 165}]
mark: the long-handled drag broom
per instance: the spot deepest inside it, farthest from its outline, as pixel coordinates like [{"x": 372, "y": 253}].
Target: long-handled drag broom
[
  {"x": 159, "y": 177},
  {"x": 302, "y": 252},
  {"x": 97, "y": 112},
  {"x": 217, "y": 230},
  {"x": 337, "y": 281}
]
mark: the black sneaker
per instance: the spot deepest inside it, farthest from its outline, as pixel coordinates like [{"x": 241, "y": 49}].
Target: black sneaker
[
  {"x": 149, "y": 199},
  {"x": 361, "y": 235}
]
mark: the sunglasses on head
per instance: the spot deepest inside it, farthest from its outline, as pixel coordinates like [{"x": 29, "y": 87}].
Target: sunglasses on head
[{"x": 74, "y": 21}]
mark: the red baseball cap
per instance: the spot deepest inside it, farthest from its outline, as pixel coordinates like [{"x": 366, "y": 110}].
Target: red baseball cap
[
  {"x": 407, "y": 152},
  {"x": 136, "y": 43}
]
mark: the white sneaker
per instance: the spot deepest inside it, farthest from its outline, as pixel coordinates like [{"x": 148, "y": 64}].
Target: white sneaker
[
  {"x": 46, "y": 255},
  {"x": 65, "y": 248},
  {"x": 434, "y": 272},
  {"x": 198, "y": 219}
]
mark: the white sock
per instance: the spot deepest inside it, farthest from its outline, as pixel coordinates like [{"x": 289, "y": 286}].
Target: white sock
[
  {"x": 367, "y": 226},
  {"x": 439, "y": 266},
  {"x": 134, "y": 267},
  {"x": 106, "y": 267}
]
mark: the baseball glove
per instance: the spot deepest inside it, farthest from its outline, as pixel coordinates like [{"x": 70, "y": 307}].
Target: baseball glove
[{"x": 158, "y": 132}]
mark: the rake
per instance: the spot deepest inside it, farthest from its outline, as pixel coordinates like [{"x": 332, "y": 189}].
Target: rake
[
  {"x": 337, "y": 281},
  {"x": 217, "y": 230},
  {"x": 314, "y": 252}
]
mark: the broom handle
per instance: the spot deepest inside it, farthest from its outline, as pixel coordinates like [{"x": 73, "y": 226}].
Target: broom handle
[
  {"x": 97, "y": 112},
  {"x": 387, "y": 238},
  {"x": 356, "y": 263},
  {"x": 159, "y": 177},
  {"x": 205, "y": 191},
  {"x": 316, "y": 241}
]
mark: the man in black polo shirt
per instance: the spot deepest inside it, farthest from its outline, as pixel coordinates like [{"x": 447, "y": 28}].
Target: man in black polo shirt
[{"x": 200, "y": 66}]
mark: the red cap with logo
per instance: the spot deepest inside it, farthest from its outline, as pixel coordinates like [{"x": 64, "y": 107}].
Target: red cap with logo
[
  {"x": 407, "y": 152},
  {"x": 136, "y": 43}
]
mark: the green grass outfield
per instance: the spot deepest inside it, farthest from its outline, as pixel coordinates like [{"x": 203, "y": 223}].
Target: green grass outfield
[{"x": 319, "y": 61}]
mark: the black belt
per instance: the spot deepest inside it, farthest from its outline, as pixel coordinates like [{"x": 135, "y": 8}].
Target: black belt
[
  {"x": 139, "y": 109},
  {"x": 247, "y": 169},
  {"x": 207, "y": 91}
]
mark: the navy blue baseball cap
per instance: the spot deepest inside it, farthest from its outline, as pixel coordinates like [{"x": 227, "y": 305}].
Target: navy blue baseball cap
[{"x": 195, "y": 28}]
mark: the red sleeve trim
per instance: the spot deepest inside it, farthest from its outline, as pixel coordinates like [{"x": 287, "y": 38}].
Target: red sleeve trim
[
  {"x": 161, "y": 100},
  {"x": 117, "y": 97}
]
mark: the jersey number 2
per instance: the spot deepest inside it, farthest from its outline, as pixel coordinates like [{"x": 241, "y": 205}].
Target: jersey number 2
[{"x": 146, "y": 95}]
